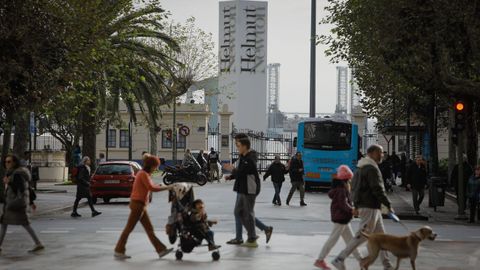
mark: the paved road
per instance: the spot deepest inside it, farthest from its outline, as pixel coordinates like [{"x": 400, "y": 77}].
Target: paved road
[{"x": 299, "y": 233}]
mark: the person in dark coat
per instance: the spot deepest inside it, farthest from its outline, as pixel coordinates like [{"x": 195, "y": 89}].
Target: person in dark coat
[
  {"x": 17, "y": 194},
  {"x": 417, "y": 173},
  {"x": 296, "y": 171},
  {"x": 83, "y": 187},
  {"x": 467, "y": 172},
  {"x": 395, "y": 163},
  {"x": 277, "y": 170},
  {"x": 201, "y": 160}
]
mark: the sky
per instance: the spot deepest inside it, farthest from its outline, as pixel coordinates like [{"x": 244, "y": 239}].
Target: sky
[{"x": 288, "y": 44}]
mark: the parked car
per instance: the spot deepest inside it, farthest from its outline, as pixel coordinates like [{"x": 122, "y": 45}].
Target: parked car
[
  {"x": 195, "y": 154},
  {"x": 113, "y": 180}
]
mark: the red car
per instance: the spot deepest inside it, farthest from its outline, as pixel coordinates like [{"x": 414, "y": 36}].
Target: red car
[{"x": 113, "y": 180}]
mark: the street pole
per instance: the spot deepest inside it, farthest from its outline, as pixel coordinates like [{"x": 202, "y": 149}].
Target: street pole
[
  {"x": 130, "y": 138},
  {"x": 313, "y": 57},
  {"x": 460, "y": 185},
  {"x": 174, "y": 132},
  {"x": 407, "y": 130},
  {"x": 106, "y": 139}
]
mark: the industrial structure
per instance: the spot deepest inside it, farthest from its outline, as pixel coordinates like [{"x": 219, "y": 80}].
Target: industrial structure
[
  {"x": 342, "y": 90},
  {"x": 275, "y": 117}
]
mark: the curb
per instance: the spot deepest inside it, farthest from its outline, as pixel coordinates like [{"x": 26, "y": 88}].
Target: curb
[{"x": 58, "y": 210}]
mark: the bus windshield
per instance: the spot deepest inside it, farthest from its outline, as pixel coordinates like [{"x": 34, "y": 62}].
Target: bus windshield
[{"x": 327, "y": 135}]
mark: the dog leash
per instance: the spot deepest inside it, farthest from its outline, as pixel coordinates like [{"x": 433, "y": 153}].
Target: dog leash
[{"x": 396, "y": 219}]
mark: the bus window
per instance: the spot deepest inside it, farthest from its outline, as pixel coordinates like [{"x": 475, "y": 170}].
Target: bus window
[{"x": 327, "y": 135}]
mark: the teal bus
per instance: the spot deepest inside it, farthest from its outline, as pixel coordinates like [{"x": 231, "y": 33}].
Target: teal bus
[{"x": 325, "y": 144}]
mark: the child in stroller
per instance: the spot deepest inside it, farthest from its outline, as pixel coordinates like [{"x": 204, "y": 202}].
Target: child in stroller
[{"x": 188, "y": 221}]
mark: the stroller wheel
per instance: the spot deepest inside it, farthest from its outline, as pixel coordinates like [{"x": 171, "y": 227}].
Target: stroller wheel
[
  {"x": 179, "y": 255},
  {"x": 216, "y": 255}
]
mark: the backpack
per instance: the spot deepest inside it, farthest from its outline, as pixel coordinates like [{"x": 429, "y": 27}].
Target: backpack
[{"x": 74, "y": 174}]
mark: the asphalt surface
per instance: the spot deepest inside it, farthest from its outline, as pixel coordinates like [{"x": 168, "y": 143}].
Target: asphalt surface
[{"x": 299, "y": 233}]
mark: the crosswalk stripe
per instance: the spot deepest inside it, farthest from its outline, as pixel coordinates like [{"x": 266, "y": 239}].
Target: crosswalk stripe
[{"x": 58, "y": 231}]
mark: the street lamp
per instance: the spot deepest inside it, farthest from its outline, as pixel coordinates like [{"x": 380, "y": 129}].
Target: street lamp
[{"x": 313, "y": 44}]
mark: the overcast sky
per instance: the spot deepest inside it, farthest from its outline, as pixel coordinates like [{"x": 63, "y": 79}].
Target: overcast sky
[{"x": 288, "y": 44}]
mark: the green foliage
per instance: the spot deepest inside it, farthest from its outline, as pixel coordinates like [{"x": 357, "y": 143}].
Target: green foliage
[{"x": 406, "y": 50}]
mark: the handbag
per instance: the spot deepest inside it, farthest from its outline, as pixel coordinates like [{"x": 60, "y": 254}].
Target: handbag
[{"x": 17, "y": 204}]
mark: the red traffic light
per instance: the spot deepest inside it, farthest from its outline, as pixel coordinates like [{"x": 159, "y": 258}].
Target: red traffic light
[{"x": 459, "y": 106}]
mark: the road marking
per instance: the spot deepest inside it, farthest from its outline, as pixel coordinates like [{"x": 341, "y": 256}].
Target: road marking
[
  {"x": 444, "y": 240},
  {"x": 111, "y": 229},
  {"x": 106, "y": 231},
  {"x": 58, "y": 231}
]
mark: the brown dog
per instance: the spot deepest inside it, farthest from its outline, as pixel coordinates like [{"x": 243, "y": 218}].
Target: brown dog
[{"x": 400, "y": 246}]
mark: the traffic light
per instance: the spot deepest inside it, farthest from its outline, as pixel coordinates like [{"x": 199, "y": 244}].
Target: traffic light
[{"x": 459, "y": 115}]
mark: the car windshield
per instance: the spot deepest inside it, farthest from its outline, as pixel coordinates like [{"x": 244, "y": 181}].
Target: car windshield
[
  {"x": 114, "y": 169},
  {"x": 327, "y": 135}
]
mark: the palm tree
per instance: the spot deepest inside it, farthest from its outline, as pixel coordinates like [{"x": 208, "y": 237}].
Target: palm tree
[{"x": 113, "y": 59}]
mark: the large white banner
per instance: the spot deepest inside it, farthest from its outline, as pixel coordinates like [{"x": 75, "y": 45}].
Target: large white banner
[{"x": 243, "y": 62}]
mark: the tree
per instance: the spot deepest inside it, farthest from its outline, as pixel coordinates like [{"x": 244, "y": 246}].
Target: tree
[
  {"x": 426, "y": 50},
  {"x": 31, "y": 55},
  {"x": 107, "y": 51}
]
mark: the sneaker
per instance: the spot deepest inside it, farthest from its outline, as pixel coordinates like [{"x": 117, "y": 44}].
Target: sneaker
[
  {"x": 268, "y": 233},
  {"x": 121, "y": 256},
  {"x": 303, "y": 204},
  {"x": 75, "y": 215},
  {"x": 322, "y": 265},
  {"x": 250, "y": 244},
  {"x": 213, "y": 247},
  {"x": 339, "y": 264},
  {"x": 164, "y": 253},
  {"x": 96, "y": 213},
  {"x": 37, "y": 248},
  {"x": 235, "y": 242}
]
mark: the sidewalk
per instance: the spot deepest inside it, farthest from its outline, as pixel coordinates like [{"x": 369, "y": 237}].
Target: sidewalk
[
  {"x": 403, "y": 204},
  {"x": 53, "y": 198}
]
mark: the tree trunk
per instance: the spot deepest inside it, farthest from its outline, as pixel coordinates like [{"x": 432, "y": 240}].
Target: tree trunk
[
  {"x": 89, "y": 132},
  {"x": 20, "y": 139},
  {"x": 471, "y": 133},
  {"x": 7, "y": 134},
  {"x": 153, "y": 141}
]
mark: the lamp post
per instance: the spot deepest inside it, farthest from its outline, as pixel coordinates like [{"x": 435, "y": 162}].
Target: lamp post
[
  {"x": 313, "y": 57},
  {"x": 174, "y": 131}
]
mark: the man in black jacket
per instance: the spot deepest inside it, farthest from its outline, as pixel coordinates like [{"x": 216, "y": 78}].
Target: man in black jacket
[
  {"x": 368, "y": 194},
  {"x": 417, "y": 173},
  {"x": 247, "y": 186},
  {"x": 277, "y": 170},
  {"x": 296, "y": 177}
]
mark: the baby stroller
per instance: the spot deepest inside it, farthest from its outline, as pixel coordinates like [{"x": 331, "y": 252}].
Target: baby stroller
[{"x": 179, "y": 223}]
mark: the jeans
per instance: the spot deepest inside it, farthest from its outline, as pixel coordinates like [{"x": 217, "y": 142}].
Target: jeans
[
  {"x": 418, "y": 195},
  {"x": 244, "y": 211},
  {"x": 138, "y": 212},
  {"x": 28, "y": 228},
  {"x": 278, "y": 188},
  {"x": 343, "y": 230},
  {"x": 77, "y": 200},
  {"x": 370, "y": 222},
  {"x": 209, "y": 237},
  {"x": 300, "y": 185}
]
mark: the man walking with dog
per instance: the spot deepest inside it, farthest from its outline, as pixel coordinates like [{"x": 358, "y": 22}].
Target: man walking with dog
[{"x": 368, "y": 195}]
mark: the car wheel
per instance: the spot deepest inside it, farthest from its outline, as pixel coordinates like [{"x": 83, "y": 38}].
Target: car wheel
[
  {"x": 179, "y": 255},
  {"x": 94, "y": 200},
  {"x": 106, "y": 200}
]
